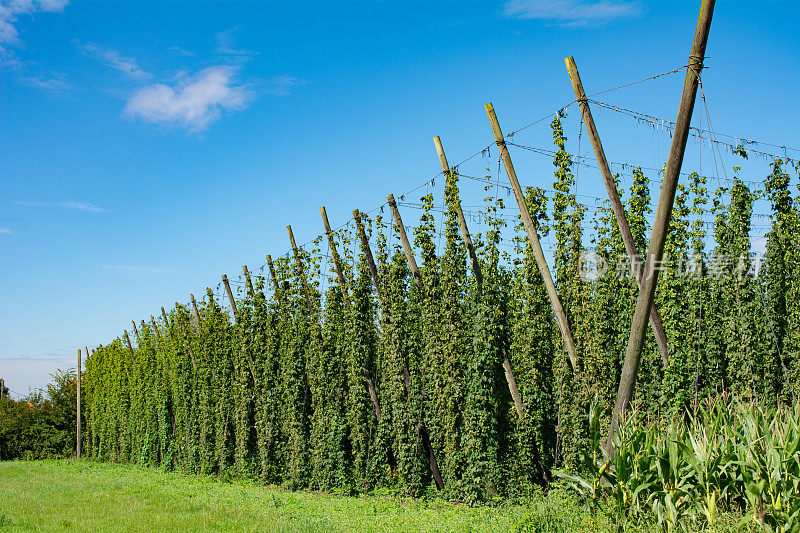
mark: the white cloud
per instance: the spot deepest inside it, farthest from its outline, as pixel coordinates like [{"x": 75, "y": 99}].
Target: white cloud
[
  {"x": 181, "y": 51},
  {"x": 194, "y": 103},
  {"x": 81, "y": 206},
  {"x": 113, "y": 59},
  {"x": 6, "y": 231},
  {"x": 140, "y": 269},
  {"x": 226, "y": 44},
  {"x": 52, "y": 85},
  {"x": 571, "y": 12},
  {"x": 281, "y": 85},
  {"x": 10, "y": 10}
]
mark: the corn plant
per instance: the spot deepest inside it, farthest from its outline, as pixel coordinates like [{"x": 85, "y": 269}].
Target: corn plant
[{"x": 728, "y": 457}]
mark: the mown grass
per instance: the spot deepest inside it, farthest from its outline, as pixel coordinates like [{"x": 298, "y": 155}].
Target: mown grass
[{"x": 90, "y": 496}]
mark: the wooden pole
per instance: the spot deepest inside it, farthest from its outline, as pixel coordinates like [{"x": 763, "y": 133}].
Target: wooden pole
[
  {"x": 78, "y": 443},
  {"x": 401, "y": 230},
  {"x": 300, "y": 266},
  {"x": 235, "y": 312},
  {"x": 196, "y": 312},
  {"x": 616, "y": 204},
  {"x": 412, "y": 263},
  {"x": 533, "y": 237},
  {"x": 371, "y": 389},
  {"x": 462, "y": 223},
  {"x": 334, "y": 253},
  {"x": 373, "y": 394},
  {"x": 655, "y": 250},
  {"x": 136, "y": 332},
  {"x": 373, "y": 270},
  {"x": 250, "y": 289},
  {"x": 130, "y": 346},
  {"x": 160, "y": 345},
  {"x": 230, "y": 295},
  {"x": 156, "y": 332},
  {"x": 476, "y": 268},
  {"x": 188, "y": 342},
  {"x": 274, "y": 279}
]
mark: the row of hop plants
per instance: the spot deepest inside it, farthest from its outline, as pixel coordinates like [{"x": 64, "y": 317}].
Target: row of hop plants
[{"x": 278, "y": 392}]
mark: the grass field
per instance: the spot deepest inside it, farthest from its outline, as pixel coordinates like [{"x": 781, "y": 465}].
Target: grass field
[{"x": 89, "y": 496}]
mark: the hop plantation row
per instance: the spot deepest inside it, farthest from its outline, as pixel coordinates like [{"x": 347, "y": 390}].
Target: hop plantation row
[{"x": 379, "y": 385}]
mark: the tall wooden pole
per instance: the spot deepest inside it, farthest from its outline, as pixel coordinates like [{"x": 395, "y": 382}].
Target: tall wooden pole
[
  {"x": 373, "y": 270},
  {"x": 300, "y": 267},
  {"x": 78, "y": 443},
  {"x": 462, "y": 223},
  {"x": 334, "y": 253},
  {"x": 401, "y": 230},
  {"x": 371, "y": 389},
  {"x": 250, "y": 289},
  {"x": 194, "y": 309},
  {"x": 130, "y": 346},
  {"x": 533, "y": 237},
  {"x": 188, "y": 342},
  {"x": 616, "y": 203},
  {"x": 655, "y": 250},
  {"x": 155, "y": 331},
  {"x": 412, "y": 263},
  {"x": 160, "y": 345},
  {"x": 476, "y": 268},
  {"x": 230, "y": 294},
  {"x": 274, "y": 279},
  {"x": 136, "y": 332}
]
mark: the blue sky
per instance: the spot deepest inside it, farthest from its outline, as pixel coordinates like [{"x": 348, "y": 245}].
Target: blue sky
[{"x": 148, "y": 147}]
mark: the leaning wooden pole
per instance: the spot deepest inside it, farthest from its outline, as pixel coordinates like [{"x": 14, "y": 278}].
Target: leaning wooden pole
[
  {"x": 299, "y": 262},
  {"x": 371, "y": 389},
  {"x": 160, "y": 344},
  {"x": 533, "y": 237},
  {"x": 412, "y": 264},
  {"x": 130, "y": 346},
  {"x": 78, "y": 405},
  {"x": 250, "y": 289},
  {"x": 616, "y": 203},
  {"x": 194, "y": 309},
  {"x": 275, "y": 283},
  {"x": 136, "y": 332},
  {"x": 462, "y": 223},
  {"x": 230, "y": 295},
  {"x": 476, "y": 268},
  {"x": 362, "y": 234},
  {"x": 655, "y": 250},
  {"x": 188, "y": 342},
  {"x": 401, "y": 231},
  {"x": 335, "y": 254}
]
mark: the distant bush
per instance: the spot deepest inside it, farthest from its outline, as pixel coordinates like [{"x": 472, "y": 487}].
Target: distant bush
[{"x": 41, "y": 425}]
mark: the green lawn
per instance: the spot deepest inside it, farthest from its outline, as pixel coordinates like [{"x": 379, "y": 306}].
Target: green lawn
[{"x": 84, "y": 495}]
